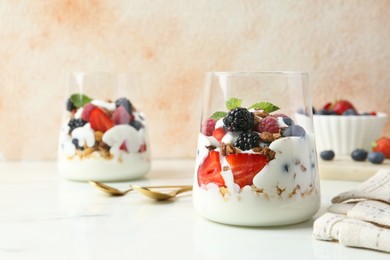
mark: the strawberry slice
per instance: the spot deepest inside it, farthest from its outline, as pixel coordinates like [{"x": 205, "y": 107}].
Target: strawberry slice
[
  {"x": 219, "y": 133},
  {"x": 100, "y": 120},
  {"x": 245, "y": 166},
  {"x": 210, "y": 170}
]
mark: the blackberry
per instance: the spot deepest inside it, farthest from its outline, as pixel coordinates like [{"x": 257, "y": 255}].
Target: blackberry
[
  {"x": 74, "y": 123},
  {"x": 124, "y": 102},
  {"x": 238, "y": 119},
  {"x": 136, "y": 124},
  {"x": 69, "y": 105},
  {"x": 247, "y": 141}
]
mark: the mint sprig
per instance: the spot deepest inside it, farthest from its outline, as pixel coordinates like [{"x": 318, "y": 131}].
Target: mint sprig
[
  {"x": 266, "y": 106},
  {"x": 233, "y": 103},
  {"x": 79, "y": 100},
  {"x": 218, "y": 115}
]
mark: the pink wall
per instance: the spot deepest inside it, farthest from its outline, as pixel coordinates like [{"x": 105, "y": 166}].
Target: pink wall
[{"x": 343, "y": 44}]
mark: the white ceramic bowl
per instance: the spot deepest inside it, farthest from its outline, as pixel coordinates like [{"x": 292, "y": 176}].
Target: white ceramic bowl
[{"x": 343, "y": 134}]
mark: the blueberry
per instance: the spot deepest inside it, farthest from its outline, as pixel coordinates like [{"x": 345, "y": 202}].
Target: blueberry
[
  {"x": 327, "y": 155},
  {"x": 376, "y": 157},
  {"x": 136, "y": 124},
  {"x": 359, "y": 155},
  {"x": 326, "y": 112},
  {"x": 366, "y": 114},
  {"x": 124, "y": 102},
  {"x": 288, "y": 121},
  {"x": 350, "y": 112},
  {"x": 264, "y": 144},
  {"x": 293, "y": 130},
  {"x": 76, "y": 144}
]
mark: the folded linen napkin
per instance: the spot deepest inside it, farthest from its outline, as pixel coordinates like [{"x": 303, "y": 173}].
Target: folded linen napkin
[{"x": 360, "y": 217}]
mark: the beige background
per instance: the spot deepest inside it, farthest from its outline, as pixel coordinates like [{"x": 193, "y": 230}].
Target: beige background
[{"x": 343, "y": 44}]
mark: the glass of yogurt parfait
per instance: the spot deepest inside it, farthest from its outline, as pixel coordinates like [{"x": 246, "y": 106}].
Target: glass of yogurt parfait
[
  {"x": 103, "y": 134},
  {"x": 255, "y": 165}
]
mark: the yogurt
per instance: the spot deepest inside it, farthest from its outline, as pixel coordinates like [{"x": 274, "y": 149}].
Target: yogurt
[
  {"x": 285, "y": 191},
  {"x": 104, "y": 141}
]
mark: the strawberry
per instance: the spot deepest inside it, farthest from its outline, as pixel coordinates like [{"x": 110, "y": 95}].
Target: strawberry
[
  {"x": 341, "y": 106},
  {"x": 100, "y": 120},
  {"x": 121, "y": 116},
  {"x": 123, "y": 147},
  {"x": 245, "y": 166},
  {"x": 219, "y": 133},
  {"x": 327, "y": 106},
  {"x": 210, "y": 170},
  {"x": 382, "y": 145},
  {"x": 142, "y": 148}
]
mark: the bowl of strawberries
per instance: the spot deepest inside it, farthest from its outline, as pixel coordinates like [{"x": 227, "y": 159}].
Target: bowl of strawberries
[{"x": 340, "y": 127}]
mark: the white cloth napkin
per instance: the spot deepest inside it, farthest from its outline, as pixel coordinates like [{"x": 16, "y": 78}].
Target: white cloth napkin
[{"x": 359, "y": 217}]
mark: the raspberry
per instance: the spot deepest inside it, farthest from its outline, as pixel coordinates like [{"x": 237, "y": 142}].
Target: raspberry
[
  {"x": 87, "y": 111},
  {"x": 239, "y": 119},
  {"x": 207, "y": 128},
  {"x": 268, "y": 124},
  {"x": 247, "y": 141}
]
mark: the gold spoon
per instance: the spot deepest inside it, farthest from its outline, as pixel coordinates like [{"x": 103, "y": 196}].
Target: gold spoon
[
  {"x": 115, "y": 192},
  {"x": 161, "y": 195}
]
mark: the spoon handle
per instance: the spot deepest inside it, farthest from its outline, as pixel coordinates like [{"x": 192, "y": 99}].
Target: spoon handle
[
  {"x": 168, "y": 186},
  {"x": 184, "y": 189}
]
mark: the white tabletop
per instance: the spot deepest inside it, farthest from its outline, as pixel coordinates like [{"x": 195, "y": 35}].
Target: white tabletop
[{"x": 45, "y": 217}]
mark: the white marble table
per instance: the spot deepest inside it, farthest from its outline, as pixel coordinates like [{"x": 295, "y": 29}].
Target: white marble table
[{"x": 45, "y": 217}]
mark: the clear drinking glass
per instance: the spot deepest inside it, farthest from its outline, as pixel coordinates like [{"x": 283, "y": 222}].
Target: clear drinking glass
[
  {"x": 256, "y": 166},
  {"x": 103, "y": 133}
]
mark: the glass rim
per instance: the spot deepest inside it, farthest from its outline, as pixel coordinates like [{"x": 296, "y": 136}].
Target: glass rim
[{"x": 263, "y": 73}]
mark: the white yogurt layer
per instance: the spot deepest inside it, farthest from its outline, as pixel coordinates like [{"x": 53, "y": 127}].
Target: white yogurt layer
[
  {"x": 285, "y": 191},
  {"x": 131, "y": 166}
]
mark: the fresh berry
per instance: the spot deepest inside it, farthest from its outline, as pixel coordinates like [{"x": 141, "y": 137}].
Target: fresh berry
[
  {"x": 293, "y": 130},
  {"x": 124, "y": 102},
  {"x": 359, "y": 155},
  {"x": 264, "y": 144},
  {"x": 286, "y": 119},
  {"x": 121, "y": 116},
  {"x": 69, "y": 105},
  {"x": 123, "y": 147},
  {"x": 239, "y": 119},
  {"x": 268, "y": 124},
  {"x": 136, "y": 124},
  {"x": 368, "y": 114},
  {"x": 245, "y": 166},
  {"x": 341, "y": 106},
  {"x": 350, "y": 112},
  {"x": 100, "y": 120},
  {"x": 327, "y": 106},
  {"x": 210, "y": 170},
  {"x": 74, "y": 123},
  {"x": 326, "y": 112},
  {"x": 382, "y": 145},
  {"x": 208, "y": 127},
  {"x": 219, "y": 133},
  {"x": 142, "y": 148},
  {"x": 376, "y": 157},
  {"x": 247, "y": 140},
  {"x": 87, "y": 111},
  {"x": 76, "y": 144},
  {"x": 327, "y": 155}
]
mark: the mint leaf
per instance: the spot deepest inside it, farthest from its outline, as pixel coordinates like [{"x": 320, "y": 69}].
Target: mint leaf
[
  {"x": 233, "y": 103},
  {"x": 79, "y": 100},
  {"x": 266, "y": 106},
  {"x": 218, "y": 115}
]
